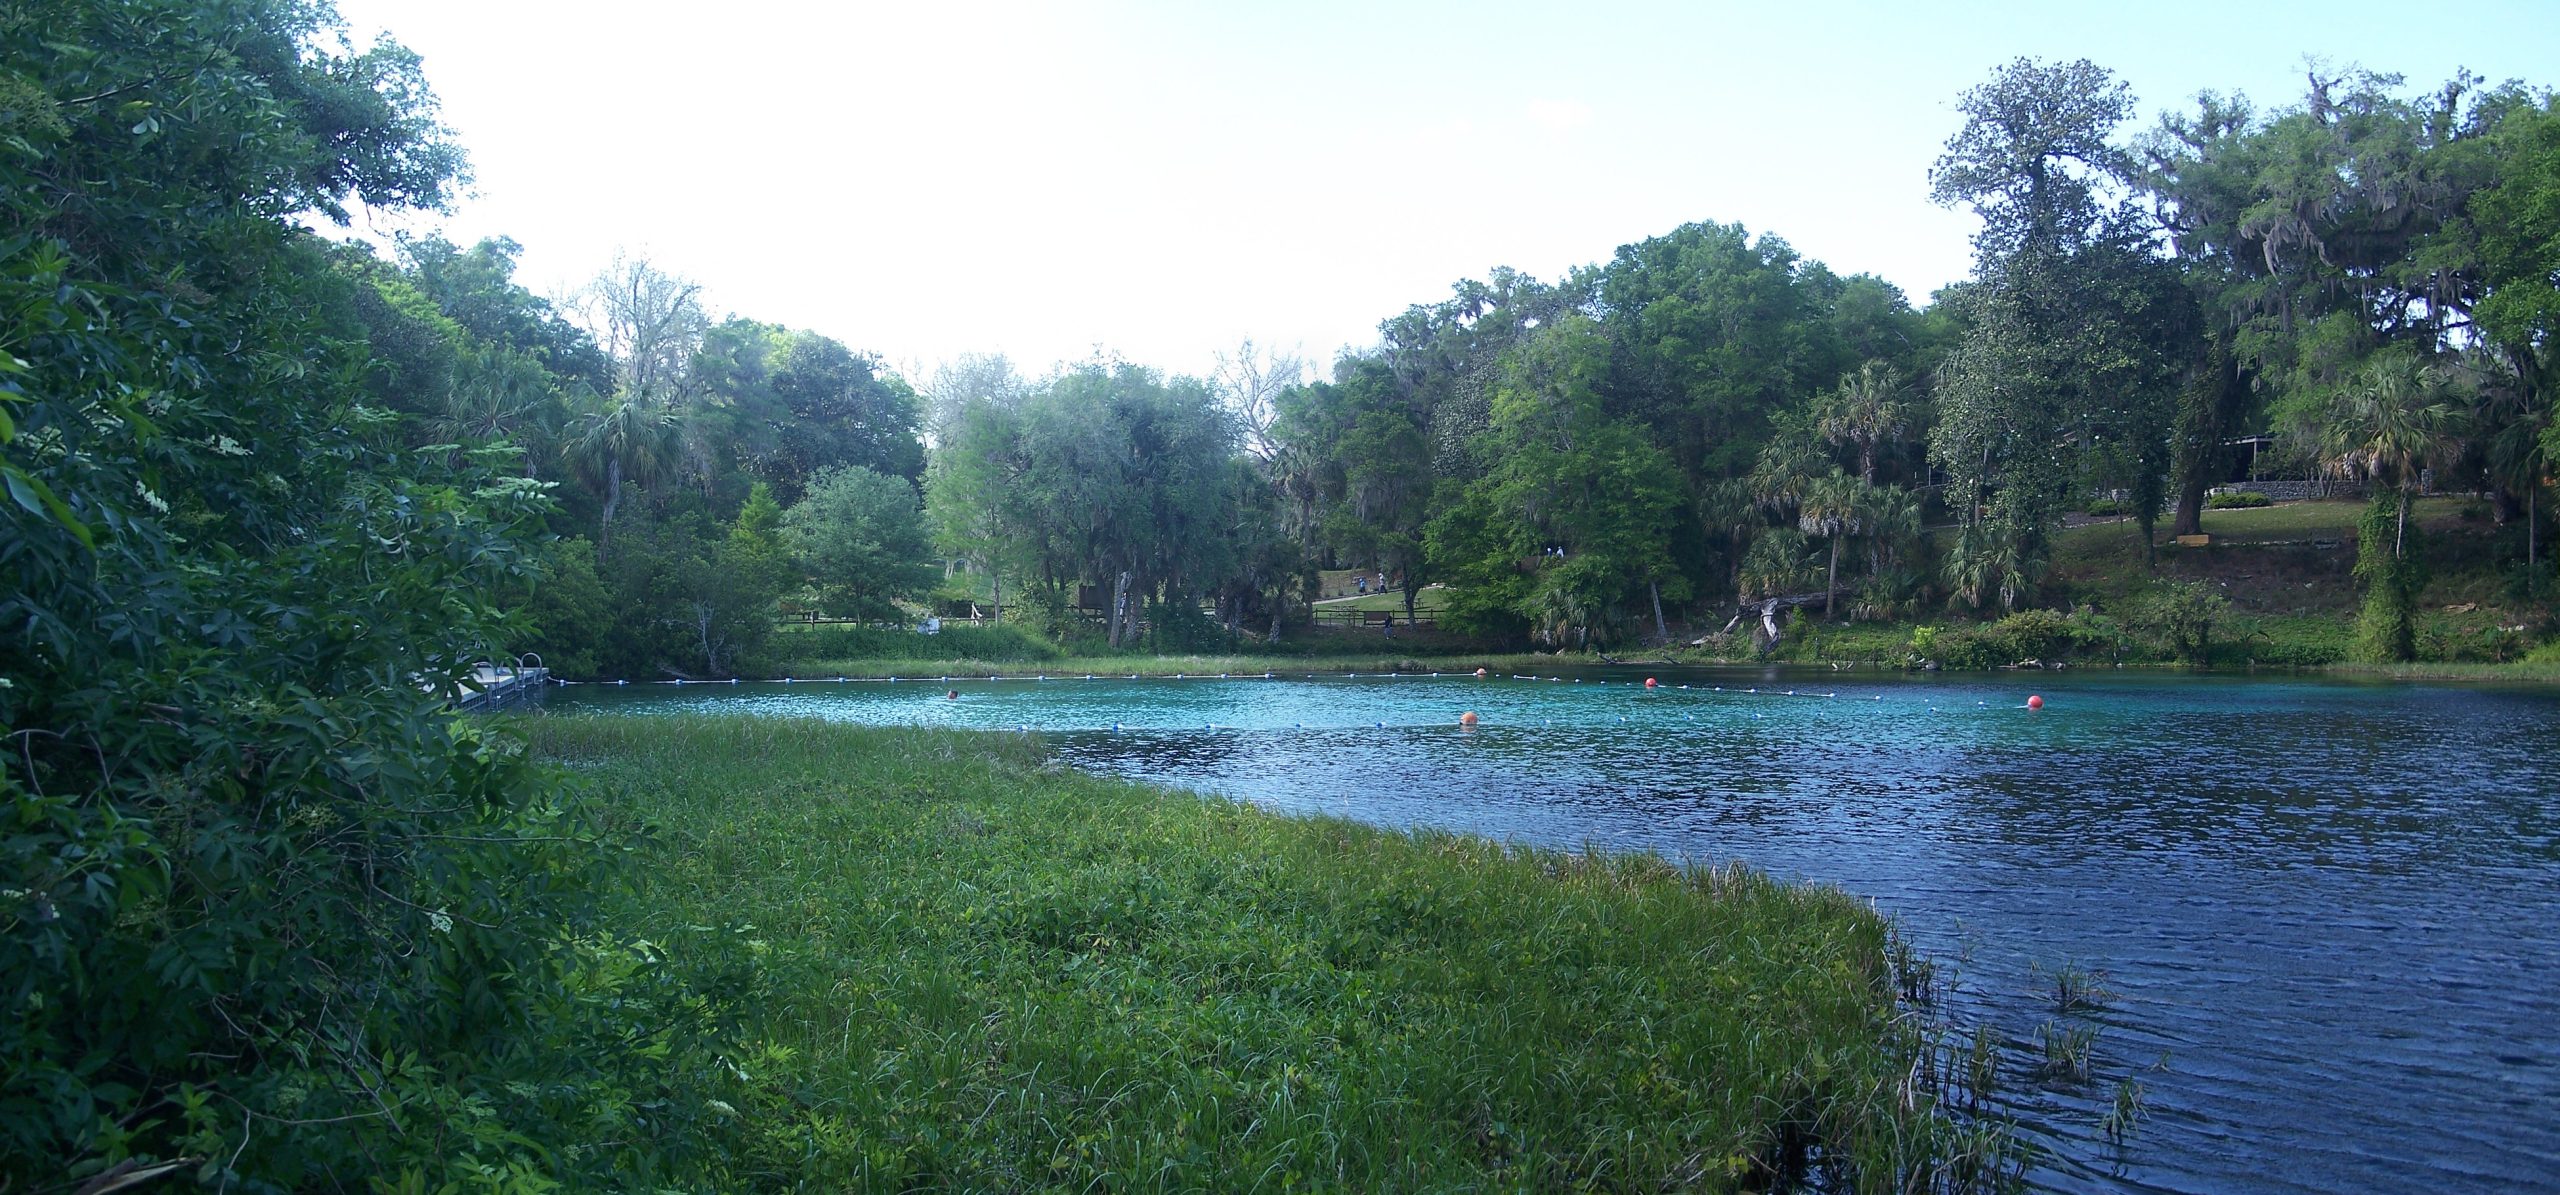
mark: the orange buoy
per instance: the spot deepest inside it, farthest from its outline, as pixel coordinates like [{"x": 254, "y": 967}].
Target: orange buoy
[
  {"x": 1651, "y": 683},
  {"x": 1467, "y": 719},
  {"x": 2034, "y": 702}
]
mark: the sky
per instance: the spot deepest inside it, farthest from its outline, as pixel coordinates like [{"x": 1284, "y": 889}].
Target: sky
[{"x": 1164, "y": 180}]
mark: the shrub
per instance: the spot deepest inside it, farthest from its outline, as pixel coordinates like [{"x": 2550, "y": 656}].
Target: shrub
[
  {"x": 2034, "y": 635},
  {"x": 2107, "y": 508},
  {"x": 2180, "y": 616},
  {"x": 2237, "y": 500}
]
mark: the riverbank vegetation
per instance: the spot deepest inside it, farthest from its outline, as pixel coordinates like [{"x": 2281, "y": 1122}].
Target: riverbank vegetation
[
  {"x": 977, "y": 971},
  {"x": 2168, "y": 322}
]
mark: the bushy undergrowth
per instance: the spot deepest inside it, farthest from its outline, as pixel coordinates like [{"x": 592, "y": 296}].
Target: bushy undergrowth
[
  {"x": 2237, "y": 500},
  {"x": 987, "y": 974},
  {"x": 997, "y": 643}
]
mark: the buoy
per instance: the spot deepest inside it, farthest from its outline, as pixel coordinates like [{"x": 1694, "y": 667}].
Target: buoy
[
  {"x": 1382, "y": 726},
  {"x": 1115, "y": 728},
  {"x": 2034, "y": 702},
  {"x": 1651, "y": 683},
  {"x": 1480, "y": 674},
  {"x": 1467, "y": 719},
  {"x": 622, "y": 682}
]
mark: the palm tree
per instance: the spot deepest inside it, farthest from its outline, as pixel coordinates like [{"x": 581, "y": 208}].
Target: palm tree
[
  {"x": 628, "y": 439},
  {"x": 496, "y": 395},
  {"x": 1832, "y": 508},
  {"x": 1892, "y": 522},
  {"x": 1867, "y": 410},
  {"x": 2390, "y": 422}
]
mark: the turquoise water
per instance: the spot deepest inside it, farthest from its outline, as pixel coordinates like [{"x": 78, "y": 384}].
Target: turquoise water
[{"x": 2326, "y": 910}]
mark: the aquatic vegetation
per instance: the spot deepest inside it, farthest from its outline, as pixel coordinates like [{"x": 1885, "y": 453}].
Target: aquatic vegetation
[
  {"x": 982, "y": 972},
  {"x": 2125, "y": 1113},
  {"x": 2079, "y": 989},
  {"x": 2066, "y": 1051}
]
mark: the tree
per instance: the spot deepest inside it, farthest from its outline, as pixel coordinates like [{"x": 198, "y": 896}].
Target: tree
[
  {"x": 262, "y": 886},
  {"x": 2064, "y": 363},
  {"x": 1866, "y": 411},
  {"x": 2387, "y": 426},
  {"x": 1250, "y": 381},
  {"x": 860, "y": 535},
  {"x": 629, "y": 440},
  {"x": 1566, "y": 476},
  {"x": 650, "y": 323},
  {"x": 1832, "y": 509},
  {"x": 2034, "y": 159}
]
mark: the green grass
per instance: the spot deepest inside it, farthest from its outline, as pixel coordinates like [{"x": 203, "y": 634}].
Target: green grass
[
  {"x": 1427, "y": 603},
  {"x": 981, "y": 972}
]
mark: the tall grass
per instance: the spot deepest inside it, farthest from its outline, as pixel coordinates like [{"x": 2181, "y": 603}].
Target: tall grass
[{"x": 984, "y": 972}]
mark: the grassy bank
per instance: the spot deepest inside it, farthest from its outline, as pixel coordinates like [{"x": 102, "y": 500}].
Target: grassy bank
[{"x": 982, "y": 973}]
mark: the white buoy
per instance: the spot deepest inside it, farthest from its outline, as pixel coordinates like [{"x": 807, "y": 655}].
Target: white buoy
[{"x": 622, "y": 682}]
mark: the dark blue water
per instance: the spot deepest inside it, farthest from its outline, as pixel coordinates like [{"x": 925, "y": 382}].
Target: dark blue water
[{"x": 2329, "y": 912}]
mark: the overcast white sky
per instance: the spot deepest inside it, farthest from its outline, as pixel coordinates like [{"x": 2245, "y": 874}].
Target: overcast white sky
[{"x": 923, "y": 179}]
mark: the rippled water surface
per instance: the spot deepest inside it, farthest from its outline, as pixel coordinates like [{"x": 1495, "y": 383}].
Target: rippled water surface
[{"x": 2329, "y": 912}]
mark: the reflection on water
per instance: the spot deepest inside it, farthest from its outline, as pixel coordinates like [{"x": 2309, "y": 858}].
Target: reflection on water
[{"x": 2326, "y": 909}]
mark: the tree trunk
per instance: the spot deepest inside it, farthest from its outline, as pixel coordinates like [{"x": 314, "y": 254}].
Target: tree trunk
[
  {"x": 2206, "y": 412},
  {"x": 1119, "y": 606},
  {"x": 2400, "y": 533},
  {"x": 997, "y": 576},
  {"x": 1661, "y": 630},
  {"x": 1831, "y": 586},
  {"x": 612, "y": 499}
]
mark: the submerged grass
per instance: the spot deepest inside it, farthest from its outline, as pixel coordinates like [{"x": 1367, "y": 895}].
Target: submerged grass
[{"x": 983, "y": 972}]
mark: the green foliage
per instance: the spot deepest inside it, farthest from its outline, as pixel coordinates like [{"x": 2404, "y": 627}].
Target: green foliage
[
  {"x": 2106, "y": 508},
  {"x": 2036, "y": 635},
  {"x": 1006, "y": 643},
  {"x": 860, "y": 537},
  {"x": 2181, "y": 616},
  {"x": 998, "y": 941},
  {"x": 270, "y": 915},
  {"x": 2237, "y": 500},
  {"x": 2385, "y": 624}
]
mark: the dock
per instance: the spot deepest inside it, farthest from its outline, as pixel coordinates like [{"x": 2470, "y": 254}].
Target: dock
[{"x": 494, "y": 685}]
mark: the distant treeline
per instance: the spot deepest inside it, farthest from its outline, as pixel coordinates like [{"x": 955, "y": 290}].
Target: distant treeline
[{"x": 2364, "y": 275}]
